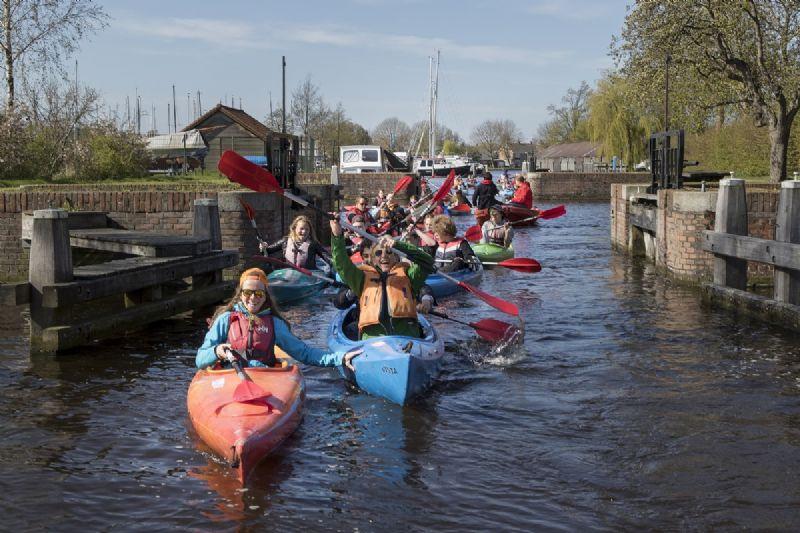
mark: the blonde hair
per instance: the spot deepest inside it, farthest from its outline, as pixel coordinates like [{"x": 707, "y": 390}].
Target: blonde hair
[{"x": 296, "y": 222}]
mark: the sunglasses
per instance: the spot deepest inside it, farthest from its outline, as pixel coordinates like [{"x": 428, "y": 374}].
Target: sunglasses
[
  {"x": 247, "y": 293},
  {"x": 378, "y": 253}
]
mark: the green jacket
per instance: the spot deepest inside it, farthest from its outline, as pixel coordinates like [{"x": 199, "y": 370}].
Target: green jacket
[{"x": 353, "y": 277}]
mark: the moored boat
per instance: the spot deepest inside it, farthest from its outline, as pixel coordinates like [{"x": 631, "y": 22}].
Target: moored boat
[
  {"x": 289, "y": 285},
  {"x": 514, "y": 214},
  {"x": 394, "y": 367},
  {"x": 244, "y": 433},
  {"x": 442, "y": 286},
  {"x": 493, "y": 253}
]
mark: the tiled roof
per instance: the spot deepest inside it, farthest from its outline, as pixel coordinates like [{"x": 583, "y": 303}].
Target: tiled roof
[
  {"x": 246, "y": 121},
  {"x": 579, "y": 149}
]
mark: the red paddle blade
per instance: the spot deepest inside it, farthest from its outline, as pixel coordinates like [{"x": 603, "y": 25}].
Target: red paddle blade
[
  {"x": 521, "y": 264},
  {"x": 501, "y": 305},
  {"x": 473, "y": 234},
  {"x": 251, "y": 214},
  {"x": 241, "y": 171},
  {"x": 445, "y": 188},
  {"x": 493, "y": 330},
  {"x": 555, "y": 212},
  {"x": 404, "y": 182},
  {"x": 247, "y": 391},
  {"x": 356, "y": 258}
]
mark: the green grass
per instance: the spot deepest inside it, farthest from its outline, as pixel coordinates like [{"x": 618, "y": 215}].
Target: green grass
[{"x": 209, "y": 176}]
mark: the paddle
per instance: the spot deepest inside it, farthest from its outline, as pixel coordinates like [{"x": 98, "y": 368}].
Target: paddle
[
  {"x": 440, "y": 194},
  {"x": 519, "y": 264},
  {"x": 307, "y": 272},
  {"x": 490, "y": 329},
  {"x": 473, "y": 233},
  {"x": 404, "y": 182},
  {"x": 251, "y": 215},
  {"x": 247, "y": 390},
  {"x": 498, "y": 303}
]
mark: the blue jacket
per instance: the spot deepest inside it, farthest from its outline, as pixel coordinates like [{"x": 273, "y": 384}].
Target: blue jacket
[{"x": 284, "y": 339}]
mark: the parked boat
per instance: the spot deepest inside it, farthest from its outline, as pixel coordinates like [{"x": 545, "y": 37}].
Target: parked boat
[
  {"x": 288, "y": 285},
  {"x": 394, "y": 367},
  {"x": 244, "y": 433},
  {"x": 493, "y": 253},
  {"x": 442, "y": 286},
  {"x": 513, "y": 214}
]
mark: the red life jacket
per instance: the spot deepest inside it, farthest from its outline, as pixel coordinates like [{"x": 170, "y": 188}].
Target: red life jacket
[
  {"x": 449, "y": 251},
  {"x": 257, "y": 343}
]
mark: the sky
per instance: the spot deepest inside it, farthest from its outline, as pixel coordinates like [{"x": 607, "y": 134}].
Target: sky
[{"x": 500, "y": 59}]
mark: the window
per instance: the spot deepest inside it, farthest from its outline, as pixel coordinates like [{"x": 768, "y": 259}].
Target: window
[
  {"x": 350, "y": 156},
  {"x": 370, "y": 156}
]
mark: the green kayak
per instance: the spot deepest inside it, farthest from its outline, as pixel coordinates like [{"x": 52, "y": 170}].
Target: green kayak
[{"x": 492, "y": 253}]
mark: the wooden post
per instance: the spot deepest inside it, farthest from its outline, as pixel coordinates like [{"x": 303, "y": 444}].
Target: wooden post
[
  {"x": 206, "y": 221},
  {"x": 50, "y": 262},
  {"x": 787, "y": 229},
  {"x": 731, "y": 217}
]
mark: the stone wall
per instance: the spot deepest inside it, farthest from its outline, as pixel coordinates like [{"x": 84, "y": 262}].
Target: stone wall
[
  {"x": 579, "y": 186},
  {"x": 681, "y": 218},
  {"x": 166, "y": 211},
  {"x": 355, "y": 185}
]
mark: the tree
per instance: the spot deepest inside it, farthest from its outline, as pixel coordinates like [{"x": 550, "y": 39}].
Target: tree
[
  {"x": 38, "y": 34},
  {"x": 569, "y": 120},
  {"x": 393, "y": 134},
  {"x": 487, "y": 137},
  {"x": 619, "y": 120},
  {"x": 419, "y": 135},
  {"x": 307, "y": 108},
  {"x": 508, "y": 135},
  {"x": 752, "y": 46}
]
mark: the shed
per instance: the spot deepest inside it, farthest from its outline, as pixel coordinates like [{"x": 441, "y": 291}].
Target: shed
[
  {"x": 571, "y": 157},
  {"x": 227, "y": 128}
]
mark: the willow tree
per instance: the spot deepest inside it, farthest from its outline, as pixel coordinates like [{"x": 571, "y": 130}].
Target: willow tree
[
  {"x": 750, "y": 45},
  {"x": 619, "y": 120}
]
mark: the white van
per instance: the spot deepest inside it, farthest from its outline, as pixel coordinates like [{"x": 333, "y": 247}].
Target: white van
[{"x": 361, "y": 158}]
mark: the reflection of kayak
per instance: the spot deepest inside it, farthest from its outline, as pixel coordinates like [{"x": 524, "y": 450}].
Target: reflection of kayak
[
  {"x": 442, "y": 286},
  {"x": 244, "y": 433},
  {"x": 288, "y": 285},
  {"x": 394, "y": 367},
  {"x": 493, "y": 253},
  {"x": 513, "y": 214},
  {"x": 460, "y": 210}
]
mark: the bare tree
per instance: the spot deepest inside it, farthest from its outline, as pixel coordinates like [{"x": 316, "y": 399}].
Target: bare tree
[
  {"x": 38, "y": 34},
  {"x": 307, "y": 108},
  {"x": 493, "y": 135},
  {"x": 393, "y": 134}
]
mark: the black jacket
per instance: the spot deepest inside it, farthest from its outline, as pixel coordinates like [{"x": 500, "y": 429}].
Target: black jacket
[{"x": 483, "y": 197}]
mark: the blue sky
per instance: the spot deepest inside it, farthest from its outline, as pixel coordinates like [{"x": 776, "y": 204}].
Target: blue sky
[{"x": 500, "y": 59}]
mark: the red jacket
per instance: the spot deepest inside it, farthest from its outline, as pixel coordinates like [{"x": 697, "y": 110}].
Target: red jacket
[{"x": 524, "y": 196}]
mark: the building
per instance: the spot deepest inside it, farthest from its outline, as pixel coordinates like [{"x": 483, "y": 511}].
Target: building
[
  {"x": 227, "y": 128},
  {"x": 572, "y": 157},
  {"x": 518, "y": 153}
]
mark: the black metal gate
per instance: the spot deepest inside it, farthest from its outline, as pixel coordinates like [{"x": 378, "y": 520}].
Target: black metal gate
[{"x": 666, "y": 160}]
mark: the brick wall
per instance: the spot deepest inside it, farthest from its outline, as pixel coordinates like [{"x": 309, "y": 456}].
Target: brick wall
[
  {"x": 355, "y": 185},
  {"x": 159, "y": 210},
  {"x": 580, "y": 186},
  {"x": 682, "y": 216}
]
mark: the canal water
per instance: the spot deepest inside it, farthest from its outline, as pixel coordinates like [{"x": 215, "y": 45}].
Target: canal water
[{"x": 629, "y": 405}]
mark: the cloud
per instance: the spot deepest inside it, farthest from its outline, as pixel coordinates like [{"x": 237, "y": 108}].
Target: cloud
[
  {"x": 568, "y": 9},
  {"x": 232, "y": 33}
]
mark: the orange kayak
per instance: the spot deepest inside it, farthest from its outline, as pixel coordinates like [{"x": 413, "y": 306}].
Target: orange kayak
[{"x": 244, "y": 433}]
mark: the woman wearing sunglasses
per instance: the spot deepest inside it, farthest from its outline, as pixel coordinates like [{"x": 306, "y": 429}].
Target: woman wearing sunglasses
[{"x": 251, "y": 326}]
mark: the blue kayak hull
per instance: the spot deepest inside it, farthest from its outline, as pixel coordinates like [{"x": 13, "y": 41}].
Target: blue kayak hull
[
  {"x": 442, "y": 287},
  {"x": 287, "y": 285},
  {"x": 394, "y": 367}
]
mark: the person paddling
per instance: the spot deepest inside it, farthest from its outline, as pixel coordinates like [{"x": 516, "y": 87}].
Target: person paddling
[
  {"x": 300, "y": 247},
  {"x": 252, "y": 326},
  {"x": 484, "y": 197},
  {"x": 496, "y": 230},
  {"x": 387, "y": 289},
  {"x": 361, "y": 209},
  {"x": 452, "y": 253},
  {"x": 523, "y": 196}
]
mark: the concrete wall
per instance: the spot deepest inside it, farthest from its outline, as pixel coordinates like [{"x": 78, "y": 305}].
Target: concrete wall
[
  {"x": 579, "y": 186},
  {"x": 681, "y": 217}
]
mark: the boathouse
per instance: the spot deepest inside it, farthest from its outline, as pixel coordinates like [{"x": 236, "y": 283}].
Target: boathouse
[
  {"x": 572, "y": 157},
  {"x": 227, "y": 128}
]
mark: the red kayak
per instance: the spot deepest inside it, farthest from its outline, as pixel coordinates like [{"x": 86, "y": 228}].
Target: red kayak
[
  {"x": 460, "y": 209},
  {"x": 513, "y": 213},
  {"x": 244, "y": 433}
]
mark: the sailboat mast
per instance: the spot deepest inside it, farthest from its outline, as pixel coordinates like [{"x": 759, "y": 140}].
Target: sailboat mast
[
  {"x": 433, "y": 106},
  {"x": 430, "y": 107}
]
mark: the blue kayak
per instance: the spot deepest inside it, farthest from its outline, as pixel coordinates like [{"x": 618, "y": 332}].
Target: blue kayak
[
  {"x": 394, "y": 367},
  {"x": 444, "y": 287},
  {"x": 288, "y": 285}
]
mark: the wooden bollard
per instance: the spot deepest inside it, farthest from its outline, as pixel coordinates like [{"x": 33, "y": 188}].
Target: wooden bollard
[
  {"x": 206, "y": 221},
  {"x": 731, "y": 217},
  {"x": 50, "y": 262},
  {"x": 787, "y": 229}
]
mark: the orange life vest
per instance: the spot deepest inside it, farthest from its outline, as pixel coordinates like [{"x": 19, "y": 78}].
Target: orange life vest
[{"x": 399, "y": 296}]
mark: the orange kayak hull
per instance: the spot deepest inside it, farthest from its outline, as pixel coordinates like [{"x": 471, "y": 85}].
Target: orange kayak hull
[{"x": 245, "y": 433}]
